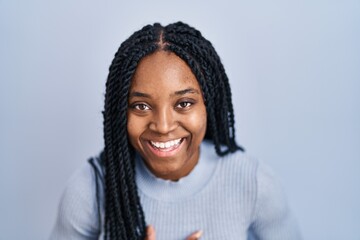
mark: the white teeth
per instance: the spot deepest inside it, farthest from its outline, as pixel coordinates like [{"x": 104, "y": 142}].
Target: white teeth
[{"x": 166, "y": 144}]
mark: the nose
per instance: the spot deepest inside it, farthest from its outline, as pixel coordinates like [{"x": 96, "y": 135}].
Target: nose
[{"x": 163, "y": 121}]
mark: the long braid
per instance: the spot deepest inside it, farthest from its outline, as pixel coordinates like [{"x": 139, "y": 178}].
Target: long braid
[{"x": 124, "y": 216}]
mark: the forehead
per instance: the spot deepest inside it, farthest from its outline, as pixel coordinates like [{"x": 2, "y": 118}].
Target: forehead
[{"x": 163, "y": 71}]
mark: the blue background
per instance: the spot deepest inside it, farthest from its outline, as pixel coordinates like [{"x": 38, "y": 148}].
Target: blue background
[{"x": 294, "y": 68}]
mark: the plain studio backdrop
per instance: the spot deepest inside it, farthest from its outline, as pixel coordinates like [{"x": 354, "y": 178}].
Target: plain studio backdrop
[{"x": 294, "y": 68}]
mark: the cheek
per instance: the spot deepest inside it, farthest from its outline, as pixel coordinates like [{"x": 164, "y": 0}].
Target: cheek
[
  {"x": 203, "y": 125},
  {"x": 133, "y": 130},
  {"x": 198, "y": 123}
]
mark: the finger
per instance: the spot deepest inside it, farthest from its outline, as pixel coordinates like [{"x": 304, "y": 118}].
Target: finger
[
  {"x": 196, "y": 235},
  {"x": 150, "y": 233}
]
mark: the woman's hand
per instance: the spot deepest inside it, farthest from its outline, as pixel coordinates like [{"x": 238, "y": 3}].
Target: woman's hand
[{"x": 150, "y": 234}]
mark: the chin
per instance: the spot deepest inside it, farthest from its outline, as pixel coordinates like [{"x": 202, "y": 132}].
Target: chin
[{"x": 171, "y": 172}]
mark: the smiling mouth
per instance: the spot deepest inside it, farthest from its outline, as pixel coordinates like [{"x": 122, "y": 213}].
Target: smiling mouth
[{"x": 167, "y": 146}]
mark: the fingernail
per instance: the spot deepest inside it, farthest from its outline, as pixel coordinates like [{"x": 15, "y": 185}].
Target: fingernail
[
  {"x": 198, "y": 234},
  {"x": 150, "y": 230}
]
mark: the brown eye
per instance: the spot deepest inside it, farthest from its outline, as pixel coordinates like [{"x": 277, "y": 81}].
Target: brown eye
[
  {"x": 184, "y": 104},
  {"x": 141, "y": 107}
]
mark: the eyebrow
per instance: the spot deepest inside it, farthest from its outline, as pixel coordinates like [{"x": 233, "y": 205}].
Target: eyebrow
[
  {"x": 177, "y": 93},
  {"x": 139, "y": 94},
  {"x": 188, "y": 90}
]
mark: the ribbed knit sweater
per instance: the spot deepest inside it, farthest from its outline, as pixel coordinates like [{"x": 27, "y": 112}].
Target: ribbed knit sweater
[{"x": 228, "y": 198}]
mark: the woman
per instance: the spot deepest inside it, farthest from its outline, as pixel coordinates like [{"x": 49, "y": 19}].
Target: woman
[{"x": 171, "y": 168}]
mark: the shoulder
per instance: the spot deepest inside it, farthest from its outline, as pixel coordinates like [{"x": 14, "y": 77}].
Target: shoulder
[
  {"x": 242, "y": 166},
  {"x": 271, "y": 200},
  {"x": 272, "y": 215},
  {"x": 232, "y": 166},
  {"x": 77, "y": 212},
  {"x": 80, "y": 188},
  {"x": 256, "y": 172}
]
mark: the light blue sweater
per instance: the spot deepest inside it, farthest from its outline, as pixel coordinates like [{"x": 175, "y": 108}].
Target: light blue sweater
[{"x": 228, "y": 198}]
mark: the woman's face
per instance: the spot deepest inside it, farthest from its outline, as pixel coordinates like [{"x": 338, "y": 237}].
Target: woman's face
[{"x": 166, "y": 115}]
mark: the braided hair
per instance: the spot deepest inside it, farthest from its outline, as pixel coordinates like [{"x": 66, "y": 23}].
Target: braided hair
[{"x": 124, "y": 216}]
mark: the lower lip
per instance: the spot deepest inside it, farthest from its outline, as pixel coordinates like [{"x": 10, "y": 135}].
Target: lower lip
[{"x": 168, "y": 152}]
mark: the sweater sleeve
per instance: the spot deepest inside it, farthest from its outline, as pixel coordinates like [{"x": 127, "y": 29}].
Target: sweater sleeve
[
  {"x": 77, "y": 213},
  {"x": 272, "y": 217}
]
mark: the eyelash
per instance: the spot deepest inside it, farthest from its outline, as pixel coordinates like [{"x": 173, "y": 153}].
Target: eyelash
[
  {"x": 145, "y": 107},
  {"x": 137, "y": 106},
  {"x": 188, "y": 104}
]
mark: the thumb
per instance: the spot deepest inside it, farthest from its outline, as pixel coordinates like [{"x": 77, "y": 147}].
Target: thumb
[
  {"x": 195, "y": 236},
  {"x": 150, "y": 233}
]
